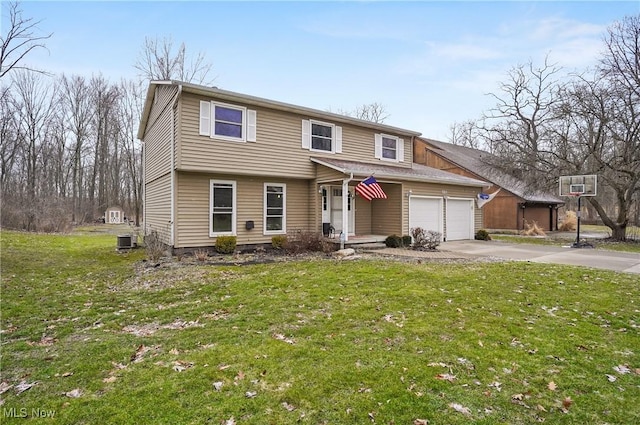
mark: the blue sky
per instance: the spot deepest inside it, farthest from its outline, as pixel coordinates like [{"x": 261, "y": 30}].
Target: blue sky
[{"x": 429, "y": 63}]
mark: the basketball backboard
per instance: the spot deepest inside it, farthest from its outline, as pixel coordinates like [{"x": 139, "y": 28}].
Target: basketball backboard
[{"x": 585, "y": 185}]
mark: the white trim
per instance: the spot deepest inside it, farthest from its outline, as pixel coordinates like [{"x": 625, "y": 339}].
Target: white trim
[
  {"x": 205, "y": 118},
  {"x": 284, "y": 210},
  {"x": 234, "y": 208},
  {"x": 243, "y": 109},
  {"x": 379, "y": 148}
]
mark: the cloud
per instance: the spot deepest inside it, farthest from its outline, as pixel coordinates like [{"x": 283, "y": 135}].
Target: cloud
[{"x": 465, "y": 51}]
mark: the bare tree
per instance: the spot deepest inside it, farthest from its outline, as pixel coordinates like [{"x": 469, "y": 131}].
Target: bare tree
[
  {"x": 373, "y": 112},
  {"x": 130, "y": 111},
  {"x": 519, "y": 130},
  {"x": 159, "y": 61},
  {"x": 20, "y": 39},
  {"x": 468, "y": 134},
  {"x": 75, "y": 95}
]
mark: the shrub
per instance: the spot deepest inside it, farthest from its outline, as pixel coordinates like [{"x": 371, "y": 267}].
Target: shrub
[
  {"x": 279, "y": 241},
  {"x": 303, "y": 241},
  {"x": 201, "y": 254},
  {"x": 425, "y": 239},
  {"x": 154, "y": 246},
  {"x": 226, "y": 244},
  {"x": 532, "y": 229},
  {"x": 482, "y": 235},
  {"x": 569, "y": 223},
  {"x": 393, "y": 241},
  {"x": 406, "y": 241}
]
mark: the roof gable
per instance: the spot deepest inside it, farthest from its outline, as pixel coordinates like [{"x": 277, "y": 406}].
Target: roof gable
[{"x": 476, "y": 162}]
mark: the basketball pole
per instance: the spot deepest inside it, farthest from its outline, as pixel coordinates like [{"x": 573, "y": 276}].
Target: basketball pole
[{"x": 577, "y": 244}]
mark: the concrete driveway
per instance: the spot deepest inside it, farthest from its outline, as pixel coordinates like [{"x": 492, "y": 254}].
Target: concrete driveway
[{"x": 587, "y": 257}]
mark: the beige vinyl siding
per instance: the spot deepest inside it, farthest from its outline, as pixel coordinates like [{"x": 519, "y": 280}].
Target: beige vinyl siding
[
  {"x": 363, "y": 216},
  {"x": 326, "y": 174},
  {"x": 387, "y": 213},
  {"x": 193, "y": 190},
  {"x": 439, "y": 190},
  {"x": 158, "y": 207},
  {"x": 157, "y": 138},
  {"x": 277, "y": 151}
]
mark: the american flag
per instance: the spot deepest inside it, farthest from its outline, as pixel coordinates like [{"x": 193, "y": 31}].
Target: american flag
[{"x": 369, "y": 189}]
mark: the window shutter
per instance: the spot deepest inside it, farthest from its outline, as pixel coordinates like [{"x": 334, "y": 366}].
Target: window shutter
[
  {"x": 400, "y": 150},
  {"x": 338, "y": 139},
  {"x": 378, "y": 147},
  {"x": 251, "y": 125},
  {"x": 205, "y": 118},
  {"x": 306, "y": 134}
]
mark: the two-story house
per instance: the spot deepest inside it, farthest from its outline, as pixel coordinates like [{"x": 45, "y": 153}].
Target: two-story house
[
  {"x": 223, "y": 163},
  {"x": 514, "y": 203}
]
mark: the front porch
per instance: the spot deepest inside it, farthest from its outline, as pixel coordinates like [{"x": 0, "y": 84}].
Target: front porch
[{"x": 360, "y": 241}]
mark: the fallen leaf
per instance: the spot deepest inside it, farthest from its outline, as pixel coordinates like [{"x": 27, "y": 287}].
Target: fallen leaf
[
  {"x": 281, "y": 337},
  {"x": 611, "y": 378},
  {"x": 24, "y": 386},
  {"x": 541, "y": 408},
  {"x": 218, "y": 385},
  {"x": 420, "y": 422},
  {"x": 230, "y": 421},
  {"x": 622, "y": 369},
  {"x": 289, "y": 407},
  {"x": 517, "y": 396},
  {"x": 109, "y": 380},
  {"x": 4, "y": 387},
  {"x": 552, "y": 386},
  {"x": 437, "y": 364},
  {"x": 67, "y": 374},
  {"x": 251, "y": 394},
  {"x": 174, "y": 351},
  {"x": 446, "y": 377},
  {"x": 460, "y": 409},
  {"x": 239, "y": 376},
  {"x": 74, "y": 393},
  {"x": 567, "y": 402}
]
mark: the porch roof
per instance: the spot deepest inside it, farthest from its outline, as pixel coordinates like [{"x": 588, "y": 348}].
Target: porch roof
[{"x": 417, "y": 172}]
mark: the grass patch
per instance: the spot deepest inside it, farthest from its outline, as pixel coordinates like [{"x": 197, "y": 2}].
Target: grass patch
[
  {"x": 632, "y": 245},
  {"x": 321, "y": 341}
]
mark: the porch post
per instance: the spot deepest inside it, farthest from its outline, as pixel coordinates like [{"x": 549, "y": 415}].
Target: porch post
[{"x": 345, "y": 211}]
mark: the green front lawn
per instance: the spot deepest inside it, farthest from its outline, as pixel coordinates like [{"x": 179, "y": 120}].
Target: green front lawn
[{"x": 104, "y": 339}]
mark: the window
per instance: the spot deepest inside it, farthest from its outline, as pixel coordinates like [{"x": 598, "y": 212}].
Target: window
[
  {"x": 222, "y": 208},
  {"x": 389, "y": 148},
  {"x": 321, "y": 137},
  {"x": 275, "y": 205},
  {"x": 227, "y": 122}
]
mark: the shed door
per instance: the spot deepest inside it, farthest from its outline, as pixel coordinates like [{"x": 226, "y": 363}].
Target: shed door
[
  {"x": 459, "y": 219},
  {"x": 114, "y": 216},
  {"x": 425, "y": 213}
]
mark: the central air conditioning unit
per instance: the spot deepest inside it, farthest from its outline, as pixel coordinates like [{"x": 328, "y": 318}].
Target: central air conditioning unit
[{"x": 127, "y": 242}]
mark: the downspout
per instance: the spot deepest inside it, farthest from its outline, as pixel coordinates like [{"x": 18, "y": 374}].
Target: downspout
[
  {"x": 174, "y": 105},
  {"x": 344, "y": 236}
]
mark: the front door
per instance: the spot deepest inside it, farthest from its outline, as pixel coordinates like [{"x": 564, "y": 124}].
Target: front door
[{"x": 336, "y": 210}]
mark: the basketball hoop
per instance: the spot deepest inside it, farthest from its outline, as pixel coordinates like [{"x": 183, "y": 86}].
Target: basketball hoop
[{"x": 575, "y": 194}]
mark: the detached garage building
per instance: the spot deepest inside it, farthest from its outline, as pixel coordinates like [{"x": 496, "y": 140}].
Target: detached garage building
[{"x": 514, "y": 204}]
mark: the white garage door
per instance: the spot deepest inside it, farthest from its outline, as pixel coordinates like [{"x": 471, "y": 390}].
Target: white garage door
[
  {"x": 425, "y": 213},
  {"x": 459, "y": 219}
]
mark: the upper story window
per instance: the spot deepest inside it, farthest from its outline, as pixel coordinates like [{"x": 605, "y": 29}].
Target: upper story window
[
  {"x": 389, "y": 148},
  {"x": 227, "y": 122},
  {"x": 321, "y": 136}
]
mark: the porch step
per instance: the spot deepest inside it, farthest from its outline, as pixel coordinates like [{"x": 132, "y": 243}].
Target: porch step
[{"x": 371, "y": 245}]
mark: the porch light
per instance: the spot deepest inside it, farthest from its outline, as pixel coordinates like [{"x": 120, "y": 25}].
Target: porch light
[{"x": 409, "y": 192}]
